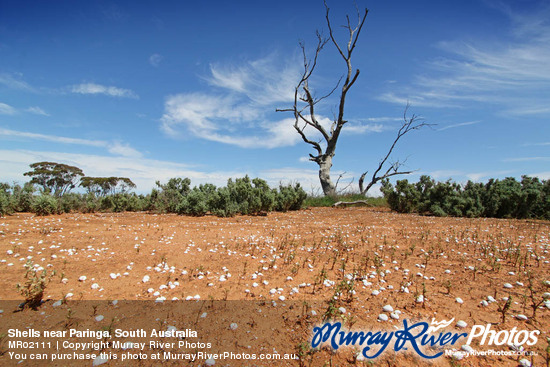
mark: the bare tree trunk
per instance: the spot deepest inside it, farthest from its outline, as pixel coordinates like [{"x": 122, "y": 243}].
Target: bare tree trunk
[{"x": 325, "y": 164}]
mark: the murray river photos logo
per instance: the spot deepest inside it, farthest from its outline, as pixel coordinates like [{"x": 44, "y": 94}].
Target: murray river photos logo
[{"x": 417, "y": 336}]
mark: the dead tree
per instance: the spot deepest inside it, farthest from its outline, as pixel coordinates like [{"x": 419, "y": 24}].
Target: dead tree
[{"x": 305, "y": 103}]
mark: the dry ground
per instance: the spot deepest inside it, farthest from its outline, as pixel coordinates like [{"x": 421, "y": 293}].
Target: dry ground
[{"x": 274, "y": 275}]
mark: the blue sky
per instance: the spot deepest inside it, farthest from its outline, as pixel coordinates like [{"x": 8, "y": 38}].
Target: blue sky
[{"x": 153, "y": 90}]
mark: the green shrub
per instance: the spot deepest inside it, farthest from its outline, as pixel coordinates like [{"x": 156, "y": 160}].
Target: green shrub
[
  {"x": 120, "y": 203},
  {"x": 91, "y": 203},
  {"x": 169, "y": 196},
  {"x": 35, "y": 284},
  {"x": 45, "y": 205},
  {"x": 506, "y": 198},
  {"x": 5, "y": 207},
  {"x": 404, "y": 199},
  {"x": 71, "y": 202},
  {"x": 502, "y": 198},
  {"x": 290, "y": 197},
  {"x": 221, "y": 205},
  {"x": 240, "y": 196},
  {"x": 22, "y": 198},
  {"x": 194, "y": 203},
  {"x": 107, "y": 203}
]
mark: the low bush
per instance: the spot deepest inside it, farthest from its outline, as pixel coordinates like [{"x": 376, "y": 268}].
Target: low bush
[
  {"x": 45, "y": 205},
  {"x": 239, "y": 196},
  {"x": 508, "y": 198},
  {"x": 5, "y": 207},
  {"x": 36, "y": 282}
]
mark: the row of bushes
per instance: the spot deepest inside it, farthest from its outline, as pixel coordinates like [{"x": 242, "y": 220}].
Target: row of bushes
[
  {"x": 508, "y": 198},
  {"x": 241, "y": 196}
]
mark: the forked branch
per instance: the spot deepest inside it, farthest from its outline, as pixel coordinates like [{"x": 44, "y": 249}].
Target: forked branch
[{"x": 408, "y": 125}]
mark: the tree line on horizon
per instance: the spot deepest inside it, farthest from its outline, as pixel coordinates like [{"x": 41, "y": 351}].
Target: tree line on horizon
[
  {"x": 113, "y": 194},
  {"x": 49, "y": 192}
]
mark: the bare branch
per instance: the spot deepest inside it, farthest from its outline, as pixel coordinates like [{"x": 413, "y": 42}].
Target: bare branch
[
  {"x": 346, "y": 187},
  {"x": 350, "y": 80},
  {"x": 408, "y": 125},
  {"x": 338, "y": 180},
  {"x": 347, "y": 203}
]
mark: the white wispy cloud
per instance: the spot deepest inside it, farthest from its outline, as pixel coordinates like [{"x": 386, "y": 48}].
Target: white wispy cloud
[
  {"x": 526, "y": 159},
  {"x": 237, "y": 111},
  {"x": 116, "y": 148},
  {"x": 542, "y": 175},
  {"x": 452, "y": 126},
  {"x": 264, "y": 81},
  {"x": 15, "y": 82},
  {"x": 155, "y": 59},
  {"x": 445, "y": 174},
  {"x": 513, "y": 75},
  {"x": 92, "y": 88},
  {"x": 485, "y": 175},
  {"x": 461, "y": 176},
  {"x": 536, "y": 144},
  {"x": 308, "y": 178},
  {"x": 37, "y": 111},
  {"x": 364, "y": 128},
  {"x": 122, "y": 149},
  {"x": 6, "y": 109}
]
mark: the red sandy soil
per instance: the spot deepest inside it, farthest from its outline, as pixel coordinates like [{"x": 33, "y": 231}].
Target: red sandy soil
[{"x": 274, "y": 276}]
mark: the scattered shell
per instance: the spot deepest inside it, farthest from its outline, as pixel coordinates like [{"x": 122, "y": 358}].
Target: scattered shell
[
  {"x": 387, "y": 308},
  {"x": 525, "y": 362},
  {"x": 467, "y": 348},
  {"x": 233, "y": 326},
  {"x": 383, "y": 317},
  {"x": 99, "y": 360},
  {"x": 458, "y": 355},
  {"x": 461, "y": 324}
]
